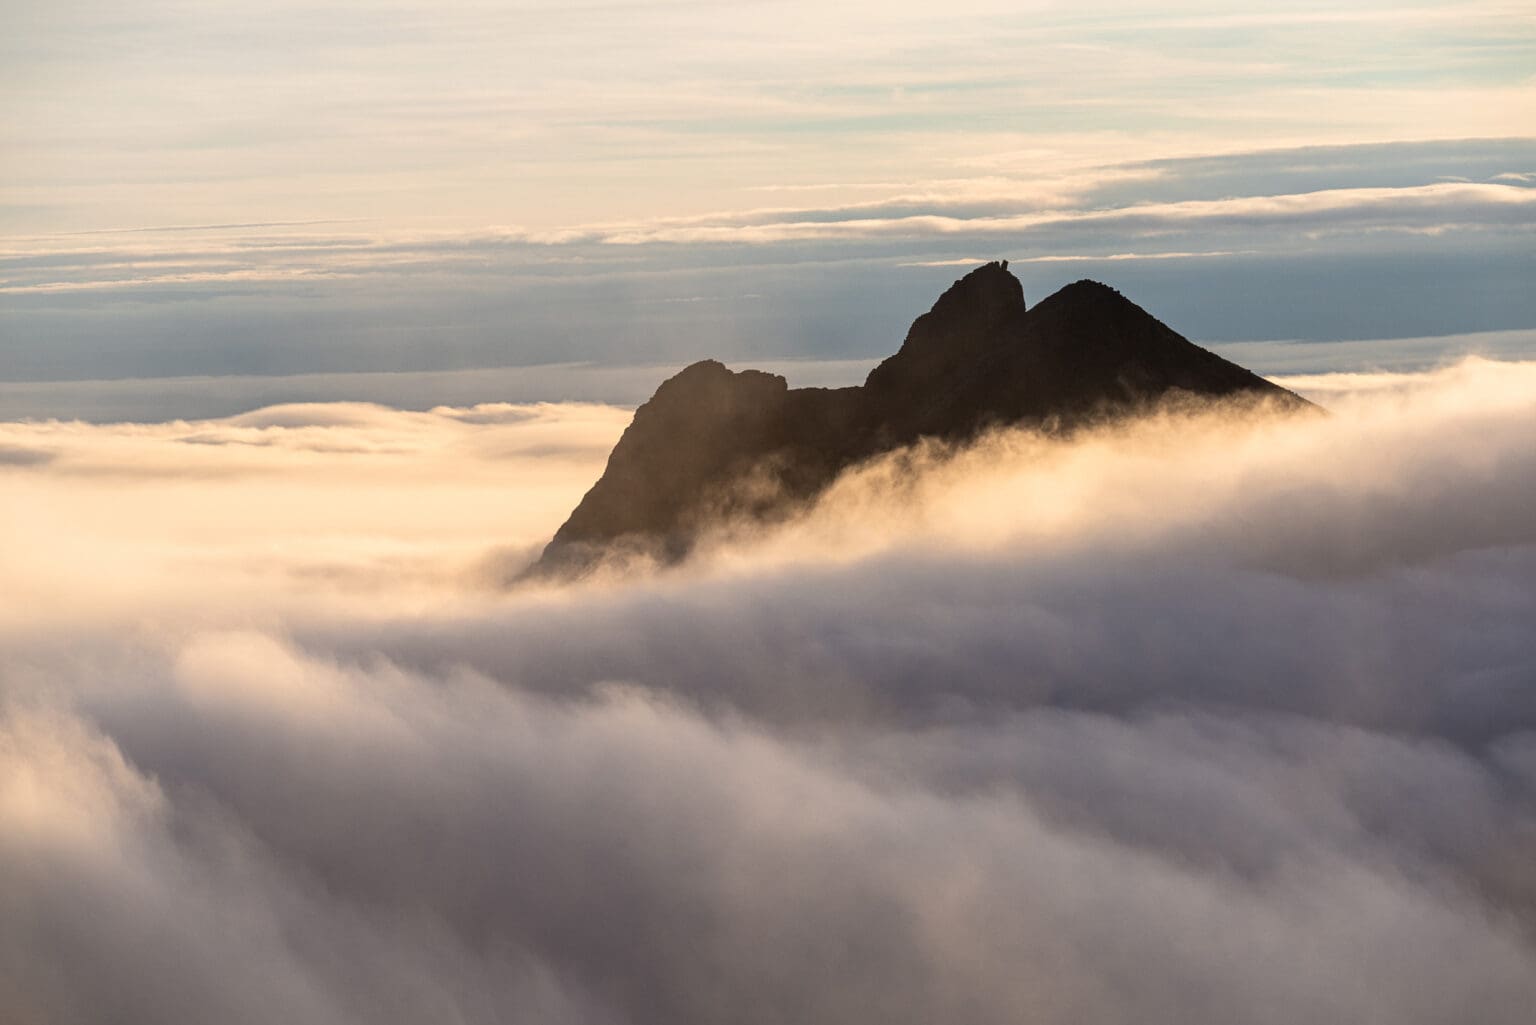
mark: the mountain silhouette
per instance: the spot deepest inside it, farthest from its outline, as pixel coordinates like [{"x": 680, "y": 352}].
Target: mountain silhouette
[{"x": 713, "y": 444}]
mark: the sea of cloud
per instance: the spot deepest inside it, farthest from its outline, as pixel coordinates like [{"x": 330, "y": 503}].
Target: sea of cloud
[{"x": 1213, "y": 717}]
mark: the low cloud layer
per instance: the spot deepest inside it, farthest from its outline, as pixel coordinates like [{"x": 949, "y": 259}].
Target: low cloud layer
[{"x": 1206, "y": 719}]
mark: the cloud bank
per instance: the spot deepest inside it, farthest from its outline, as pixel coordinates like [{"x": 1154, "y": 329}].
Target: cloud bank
[
  {"x": 1319, "y": 243},
  {"x": 1204, "y": 719}
]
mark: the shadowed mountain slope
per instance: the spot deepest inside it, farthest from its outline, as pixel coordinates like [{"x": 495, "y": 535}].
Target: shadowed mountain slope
[{"x": 713, "y": 443}]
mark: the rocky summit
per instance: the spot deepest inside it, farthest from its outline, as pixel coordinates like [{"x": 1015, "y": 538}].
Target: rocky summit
[{"x": 714, "y": 444}]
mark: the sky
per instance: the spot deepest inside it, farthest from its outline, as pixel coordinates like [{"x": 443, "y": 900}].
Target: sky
[{"x": 290, "y": 192}]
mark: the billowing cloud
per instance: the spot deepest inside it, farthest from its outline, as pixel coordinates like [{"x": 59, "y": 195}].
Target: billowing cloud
[{"x": 1203, "y": 719}]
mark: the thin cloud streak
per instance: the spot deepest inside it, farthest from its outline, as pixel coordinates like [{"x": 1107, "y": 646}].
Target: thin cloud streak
[
  {"x": 1357, "y": 212},
  {"x": 1428, "y": 207},
  {"x": 209, "y": 227}
]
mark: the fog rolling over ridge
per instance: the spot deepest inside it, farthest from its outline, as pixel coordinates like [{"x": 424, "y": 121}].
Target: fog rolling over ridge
[
  {"x": 712, "y": 444},
  {"x": 1201, "y": 717}
]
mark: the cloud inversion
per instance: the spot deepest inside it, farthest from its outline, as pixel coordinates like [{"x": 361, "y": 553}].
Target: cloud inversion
[{"x": 1204, "y": 719}]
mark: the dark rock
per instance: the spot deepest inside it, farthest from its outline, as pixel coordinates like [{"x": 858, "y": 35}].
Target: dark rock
[{"x": 713, "y": 444}]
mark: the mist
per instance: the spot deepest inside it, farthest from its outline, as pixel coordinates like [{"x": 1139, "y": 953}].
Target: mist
[{"x": 1209, "y": 717}]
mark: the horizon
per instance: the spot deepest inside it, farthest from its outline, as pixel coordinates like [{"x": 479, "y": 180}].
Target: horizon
[
  {"x": 196, "y": 397},
  {"x": 269, "y": 191}
]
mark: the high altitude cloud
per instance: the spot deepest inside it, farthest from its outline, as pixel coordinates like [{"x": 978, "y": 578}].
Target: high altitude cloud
[
  {"x": 549, "y": 113},
  {"x": 1201, "y": 720}
]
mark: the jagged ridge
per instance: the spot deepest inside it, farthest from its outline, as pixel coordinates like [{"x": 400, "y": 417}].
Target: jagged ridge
[{"x": 712, "y": 442}]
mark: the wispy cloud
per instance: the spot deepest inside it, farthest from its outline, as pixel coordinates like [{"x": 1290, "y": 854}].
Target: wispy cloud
[
  {"x": 460, "y": 113},
  {"x": 1375, "y": 237},
  {"x": 169, "y": 228},
  {"x": 1056, "y": 215},
  {"x": 1442, "y": 206}
]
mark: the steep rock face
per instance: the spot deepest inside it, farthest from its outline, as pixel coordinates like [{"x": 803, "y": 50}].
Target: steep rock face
[
  {"x": 705, "y": 426},
  {"x": 924, "y": 388},
  {"x": 1088, "y": 351},
  {"x": 714, "y": 443}
]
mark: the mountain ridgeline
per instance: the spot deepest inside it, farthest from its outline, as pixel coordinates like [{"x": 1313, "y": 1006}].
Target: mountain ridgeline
[{"x": 714, "y": 444}]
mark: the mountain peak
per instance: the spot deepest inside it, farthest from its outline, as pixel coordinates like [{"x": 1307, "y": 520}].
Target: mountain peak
[
  {"x": 715, "y": 443},
  {"x": 706, "y": 423},
  {"x": 973, "y": 315},
  {"x": 1087, "y": 288},
  {"x": 711, "y": 370},
  {"x": 988, "y": 291}
]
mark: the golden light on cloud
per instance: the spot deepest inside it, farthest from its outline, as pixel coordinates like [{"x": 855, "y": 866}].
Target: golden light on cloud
[
  {"x": 1161, "y": 684},
  {"x": 289, "y": 500}
]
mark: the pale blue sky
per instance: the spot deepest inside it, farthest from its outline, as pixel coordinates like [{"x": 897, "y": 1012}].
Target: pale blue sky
[{"x": 279, "y": 188}]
